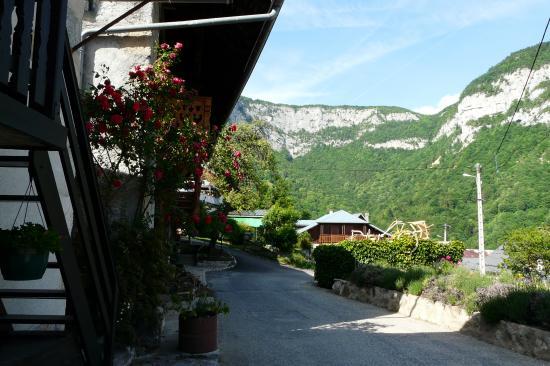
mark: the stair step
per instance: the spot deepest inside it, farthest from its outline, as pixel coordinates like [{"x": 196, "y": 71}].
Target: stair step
[
  {"x": 34, "y": 319},
  {"x": 18, "y": 197},
  {"x": 35, "y": 333},
  {"x": 14, "y": 161},
  {"x": 35, "y": 294}
]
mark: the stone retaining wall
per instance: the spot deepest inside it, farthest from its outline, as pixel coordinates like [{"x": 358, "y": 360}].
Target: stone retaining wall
[{"x": 529, "y": 341}]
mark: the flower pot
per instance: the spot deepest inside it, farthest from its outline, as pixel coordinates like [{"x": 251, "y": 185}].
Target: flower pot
[
  {"x": 198, "y": 335},
  {"x": 23, "y": 264}
]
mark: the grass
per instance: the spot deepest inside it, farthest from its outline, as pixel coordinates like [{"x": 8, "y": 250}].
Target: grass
[
  {"x": 409, "y": 280},
  {"x": 296, "y": 259}
]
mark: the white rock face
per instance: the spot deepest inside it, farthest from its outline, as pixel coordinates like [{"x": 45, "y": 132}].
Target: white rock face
[
  {"x": 299, "y": 128},
  {"x": 310, "y": 118},
  {"x": 406, "y": 144},
  {"x": 408, "y": 116},
  {"x": 473, "y": 107}
]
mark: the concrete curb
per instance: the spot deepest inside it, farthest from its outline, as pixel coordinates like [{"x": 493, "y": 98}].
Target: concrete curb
[{"x": 519, "y": 338}]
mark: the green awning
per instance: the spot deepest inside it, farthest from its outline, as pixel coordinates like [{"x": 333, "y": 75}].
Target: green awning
[{"x": 250, "y": 221}]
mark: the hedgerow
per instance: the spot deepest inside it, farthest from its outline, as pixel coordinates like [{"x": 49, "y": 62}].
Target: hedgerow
[{"x": 404, "y": 251}]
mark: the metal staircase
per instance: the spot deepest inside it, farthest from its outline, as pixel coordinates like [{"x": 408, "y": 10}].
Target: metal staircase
[{"x": 41, "y": 123}]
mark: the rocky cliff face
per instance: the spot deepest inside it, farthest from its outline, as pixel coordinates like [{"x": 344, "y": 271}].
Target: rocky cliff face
[{"x": 487, "y": 102}]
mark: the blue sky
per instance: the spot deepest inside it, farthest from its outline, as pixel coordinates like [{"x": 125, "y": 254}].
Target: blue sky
[{"x": 411, "y": 53}]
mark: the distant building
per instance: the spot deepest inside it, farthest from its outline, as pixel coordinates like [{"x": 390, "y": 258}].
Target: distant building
[
  {"x": 340, "y": 225},
  {"x": 250, "y": 218}
]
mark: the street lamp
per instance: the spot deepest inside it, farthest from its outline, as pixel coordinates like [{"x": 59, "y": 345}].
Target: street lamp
[{"x": 481, "y": 238}]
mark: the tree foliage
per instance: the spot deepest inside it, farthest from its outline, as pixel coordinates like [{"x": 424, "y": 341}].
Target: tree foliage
[
  {"x": 279, "y": 227},
  {"x": 258, "y": 174},
  {"x": 528, "y": 251}
]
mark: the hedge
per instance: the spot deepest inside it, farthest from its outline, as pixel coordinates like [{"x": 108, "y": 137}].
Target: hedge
[
  {"x": 332, "y": 261},
  {"x": 403, "y": 252}
]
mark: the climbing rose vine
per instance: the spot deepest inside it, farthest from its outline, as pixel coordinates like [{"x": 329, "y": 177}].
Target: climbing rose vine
[{"x": 144, "y": 128}]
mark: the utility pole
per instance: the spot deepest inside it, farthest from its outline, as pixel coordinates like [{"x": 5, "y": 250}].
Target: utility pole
[
  {"x": 481, "y": 237},
  {"x": 445, "y": 226}
]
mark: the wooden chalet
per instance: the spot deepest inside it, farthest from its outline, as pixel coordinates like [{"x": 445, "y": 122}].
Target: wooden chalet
[{"x": 340, "y": 225}]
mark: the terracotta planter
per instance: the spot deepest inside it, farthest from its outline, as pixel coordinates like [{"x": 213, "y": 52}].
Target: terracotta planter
[
  {"x": 198, "y": 335},
  {"x": 23, "y": 265}
]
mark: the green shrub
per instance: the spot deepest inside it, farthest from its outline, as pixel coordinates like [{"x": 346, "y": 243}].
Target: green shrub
[
  {"x": 525, "y": 306},
  {"x": 411, "y": 280},
  {"x": 528, "y": 252},
  {"x": 142, "y": 264},
  {"x": 304, "y": 241},
  {"x": 297, "y": 259},
  {"x": 236, "y": 236},
  {"x": 278, "y": 227},
  {"x": 332, "y": 261},
  {"x": 404, "y": 251}
]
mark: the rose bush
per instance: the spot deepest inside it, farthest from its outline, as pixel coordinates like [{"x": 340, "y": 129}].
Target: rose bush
[{"x": 144, "y": 129}]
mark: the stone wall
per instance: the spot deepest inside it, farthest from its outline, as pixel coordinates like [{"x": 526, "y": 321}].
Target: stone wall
[{"x": 529, "y": 341}]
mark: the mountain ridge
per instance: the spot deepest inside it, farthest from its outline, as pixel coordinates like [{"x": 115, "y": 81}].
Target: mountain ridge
[{"x": 370, "y": 147}]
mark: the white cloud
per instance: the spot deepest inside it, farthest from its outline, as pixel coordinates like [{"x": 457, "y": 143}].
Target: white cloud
[
  {"x": 307, "y": 83},
  {"x": 298, "y": 73},
  {"x": 444, "y": 102}
]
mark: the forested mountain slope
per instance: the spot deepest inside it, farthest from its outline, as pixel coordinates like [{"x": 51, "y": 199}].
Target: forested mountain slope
[{"x": 396, "y": 163}]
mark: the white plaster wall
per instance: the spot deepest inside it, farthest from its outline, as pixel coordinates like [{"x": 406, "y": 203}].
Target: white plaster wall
[{"x": 120, "y": 52}]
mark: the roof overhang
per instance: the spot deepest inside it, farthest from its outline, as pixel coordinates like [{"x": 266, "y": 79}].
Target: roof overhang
[{"x": 218, "y": 60}]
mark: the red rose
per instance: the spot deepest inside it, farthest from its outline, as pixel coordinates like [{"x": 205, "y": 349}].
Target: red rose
[
  {"x": 158, "y": 174},
  {"x": 116, "y": 119},
  {"x": 199, "y": 172},
  {"x": 117, "y": 183},
  {"x": 102, "y": 127},
  {"x": 148, "y": 114},
  {"x": 158, "y": 124},
  {"x": 103, "y": 102},
  {"x": 228, "y": 228},
  {"x": 135, "y": 107},
  {"x": 233, "y": 127},
  {"x": 227, "y": 173},
  {"x": 89, "y": 127},
  {"x": 236, "y": 165},
  {"x": 178, "y": 46},
  {"x": 164, "y": 46},
  {"x": 237, "y": 154},
  {"x": 172, "y": 55},
  {"x": 208, "y": 219}
]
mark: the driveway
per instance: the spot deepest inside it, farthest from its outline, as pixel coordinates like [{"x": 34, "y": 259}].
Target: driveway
[{"x": 278, "y": 317}]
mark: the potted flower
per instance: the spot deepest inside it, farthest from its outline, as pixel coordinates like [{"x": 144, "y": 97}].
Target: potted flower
[
  {"x": 198, "y": 324},
  {"x": 24, "y": 251}
]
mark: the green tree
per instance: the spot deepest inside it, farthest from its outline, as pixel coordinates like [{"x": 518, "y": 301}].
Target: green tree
[
  {"x": 247, "y": 150},
  {"x": 528, "y": 251},
  {"x": 279, "y": 227}
]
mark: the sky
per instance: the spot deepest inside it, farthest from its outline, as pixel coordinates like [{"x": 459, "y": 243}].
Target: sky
[{"x": 416, "y": 54}]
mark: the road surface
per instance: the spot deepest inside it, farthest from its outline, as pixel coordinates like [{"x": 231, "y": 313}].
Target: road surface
[{"x": 278, "y": 317}]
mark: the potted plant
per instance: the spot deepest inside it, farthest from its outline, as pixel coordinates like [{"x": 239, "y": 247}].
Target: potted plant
[
  {"x": 198, "y": 324},
  {"x": 24, "y": 251}
]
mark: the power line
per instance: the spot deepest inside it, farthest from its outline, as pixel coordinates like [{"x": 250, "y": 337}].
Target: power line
[
  {"x": 523, "y": 91},
  {"x": 377, "y": 169}
]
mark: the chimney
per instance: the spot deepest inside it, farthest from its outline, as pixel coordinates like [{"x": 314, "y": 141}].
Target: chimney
[{"x": 366, "y": 215}]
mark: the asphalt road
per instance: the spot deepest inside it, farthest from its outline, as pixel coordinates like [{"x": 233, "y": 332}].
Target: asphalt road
[{"x": 278, "y": 317}]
